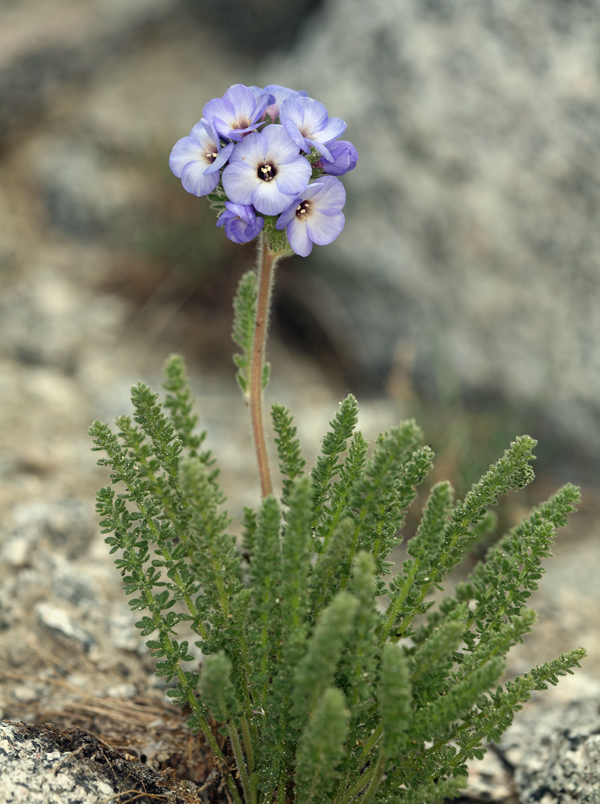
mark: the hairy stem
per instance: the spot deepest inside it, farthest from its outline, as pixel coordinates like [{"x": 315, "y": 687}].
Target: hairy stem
[
  {"x": 240, "y": 764},
  {"x": 267, "y": 260}
]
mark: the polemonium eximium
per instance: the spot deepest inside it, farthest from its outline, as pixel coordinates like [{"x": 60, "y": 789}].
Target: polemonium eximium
[
  {"x": 345, "y": 157},
  {"x": 239, "y": 111},
  {"x": 315, "y": 216},
  {"x": 308, "y": 124},
  {"x": 197, "y": 159},
  {"x": 266, "y": 170},
  {"x": 241, "y": 222}
]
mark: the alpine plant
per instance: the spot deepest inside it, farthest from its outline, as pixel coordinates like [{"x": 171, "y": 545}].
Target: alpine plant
[
  {"x": 267, "y": 160},
  {"x": 326, "y": 678}
]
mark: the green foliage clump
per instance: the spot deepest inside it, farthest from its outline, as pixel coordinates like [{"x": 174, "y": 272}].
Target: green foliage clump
[{"x": 335, "y": 680}]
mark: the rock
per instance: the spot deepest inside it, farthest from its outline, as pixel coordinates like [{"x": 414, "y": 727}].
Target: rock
[
  {"x": 46, "y": 46},
  {"x": 489, "y": 779},
  {"x": 259, "y": 27},
  {"x": 48, "y": 322},
  {"x": 556, "y": 753},
  {"x": 59, "y": 621},
  {"x": 474, "y": 204},
  {"x": 46, "y": 766},
  {"x": 83, "y": 196},
  {"x": 67, "y": 525}
]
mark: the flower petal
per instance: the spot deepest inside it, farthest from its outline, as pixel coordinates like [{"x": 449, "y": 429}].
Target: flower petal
[
  {"x": 287, "y": 214},
  {"x": 186, "y": 150},
  {"x": 268, "y": 199},
  {"x": 332, "y": 130},
  {"x": 293, "y": 178},
  {"x": 239, "y": 182},
  {"x": 323, "y": 229},
  {"x": 219, "y": 108},
  {"x": 243, "y": 100},
  {"x": 222, "y": 157},
  {"x": 205, "y": 133},
  {"x": 282, "y": 148},
  {"x": 195, "y": 180},
  {"x": 307, "y": 114},
  {"x": 252, "y": 150},
  {"x": 295, "y": 135},
  {"x": 224, "y": 217},
  {"x": 331, "y": 197},
  {"x": 345, "y": 157},
  {"x": 279, "y": 94},
  {"x": 322, "y": 149},
  {"x": 242, "y": 211},
  {"x": 298, "y": 238}
]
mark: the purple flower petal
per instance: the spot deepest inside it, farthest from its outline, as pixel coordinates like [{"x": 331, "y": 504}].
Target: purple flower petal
[
  {"x": 237, "y": 112},
  {"x": 345, "y": 157},
  {"x": 239, "y": 182},
  {"x": 331, "y": 197},
  {"x": 314, "y": 216},
  {"x": 268, "y": 198},
  {"x": 243, "y": 100},
  {"x": 322, "y": 149},
  {"x": 241, "y": 222},
  {"x": 306, "y": 114},
  {"x": 221, "y": 159},
  {"x": 195, "y": 180},
  {"x": 323, "y": 229},
  {"x": 280, "y": 143},
  {"x": 218, "y": 109},
  {"x": 242, "y": 211},
  {"x": 252, "y": 148},
  {"x": 298, "y": 238},
  {"x": 279, "y": 94},
  {"x": 186, "y": 150},
  {"x": 293, "y": 177},
  {"x": 333, "y": 129}
]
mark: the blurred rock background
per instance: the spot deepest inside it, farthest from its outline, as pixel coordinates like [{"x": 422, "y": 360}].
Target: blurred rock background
[{"x": 463, "y": 290}]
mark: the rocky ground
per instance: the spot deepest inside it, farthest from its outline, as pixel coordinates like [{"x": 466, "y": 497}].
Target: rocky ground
[{"x": 87, "y": 308}]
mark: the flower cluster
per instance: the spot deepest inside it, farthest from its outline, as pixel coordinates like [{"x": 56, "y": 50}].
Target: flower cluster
[{"x": 268, "y": 160}]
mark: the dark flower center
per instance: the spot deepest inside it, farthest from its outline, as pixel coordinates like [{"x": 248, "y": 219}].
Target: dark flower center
[
  {"x": 266, "y": 172},
  {"x": 211, "y": 154},
  {"x": 302, "y": 210}
]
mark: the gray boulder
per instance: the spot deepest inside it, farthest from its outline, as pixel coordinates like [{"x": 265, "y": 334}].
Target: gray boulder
[{"x": 473, "y": 211}]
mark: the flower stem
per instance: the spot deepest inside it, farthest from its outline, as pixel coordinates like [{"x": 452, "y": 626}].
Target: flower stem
[{"x": 267, "y": 260}]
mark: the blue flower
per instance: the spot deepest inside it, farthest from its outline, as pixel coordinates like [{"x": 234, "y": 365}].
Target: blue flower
[
  {"x": 308, "y": 124},
  {"x": 345, "y": 157},
  {"x": 241, "y": 222},
  {"x": 238, "y": 112},
  {"x": 266, "y": 170},
  {"x": 315, "y": 216},
  {"x": 197, "y": 159}
]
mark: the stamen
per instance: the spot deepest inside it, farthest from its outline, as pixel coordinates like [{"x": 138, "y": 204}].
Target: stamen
[
  {"x": 302, "y": 209},
  {"x": 267, "y": 172}
]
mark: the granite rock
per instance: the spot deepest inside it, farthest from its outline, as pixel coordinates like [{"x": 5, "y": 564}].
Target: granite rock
[
  {"x": 47, "y": 46},
  {"x": 474, "y": 205},
  {"x": 556, "y": 753}
]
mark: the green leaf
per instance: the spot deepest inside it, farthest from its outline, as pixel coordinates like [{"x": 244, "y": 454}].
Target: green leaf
[
  {"x": 291, "y": 462},
  {"x": 395, "y": 699},
  {"x": 316, "y": 670},
  {"x": 244, "y": 319},
  {"x": 216, "y": 688},
  {"x": 321, "y": 747}
]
